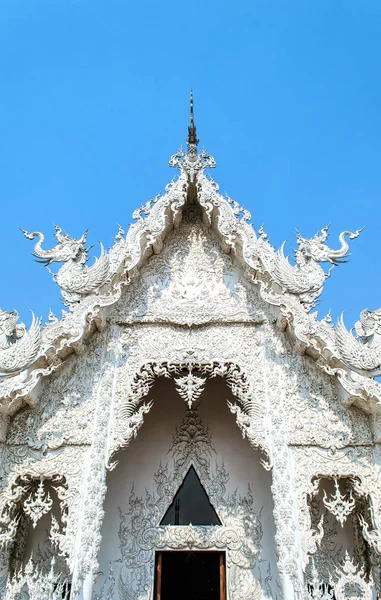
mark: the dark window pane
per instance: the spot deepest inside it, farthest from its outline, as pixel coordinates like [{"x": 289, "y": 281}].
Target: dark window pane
[{"x": 191, "y": 504}]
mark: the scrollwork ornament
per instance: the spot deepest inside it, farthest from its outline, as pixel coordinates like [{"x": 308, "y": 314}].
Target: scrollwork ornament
[
  {"x": 372, "y": 537},
  {"x": 190, "y": 387},
  {"x": 38, "y": 503},
  {"x": 339, "y": 505}
]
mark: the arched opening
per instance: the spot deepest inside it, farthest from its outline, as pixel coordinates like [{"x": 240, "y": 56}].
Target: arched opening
[
  {"x": 344, "y": 564},
  {"x": 178, "y": 450},
  {"x": 37, "y": 514}
]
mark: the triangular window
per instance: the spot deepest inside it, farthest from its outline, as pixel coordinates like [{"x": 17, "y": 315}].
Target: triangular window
[{"x": 191, "y": 504}]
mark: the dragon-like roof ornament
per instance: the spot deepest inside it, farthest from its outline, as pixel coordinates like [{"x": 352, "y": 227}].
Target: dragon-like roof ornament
[
  {"x": 74, "y": 277},
  {"x": 361, "y": 352},
  {"x": 18, "y": 347},
  {"x": 306, "y": 279}
]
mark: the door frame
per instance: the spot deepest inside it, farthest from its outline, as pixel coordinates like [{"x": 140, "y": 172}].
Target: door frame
[{"x": 159, "y": 571}]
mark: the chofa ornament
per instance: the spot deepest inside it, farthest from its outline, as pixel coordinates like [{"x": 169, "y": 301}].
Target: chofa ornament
[
  {"x": 18, "y": 347},
  {"x": 307, "y": 278},
  {"x": 363, "y": 352},
  {"x": 74, "y": 277}
]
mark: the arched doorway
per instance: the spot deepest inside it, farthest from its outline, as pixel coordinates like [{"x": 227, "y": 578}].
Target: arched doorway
[{"x": 174, "y": 444}]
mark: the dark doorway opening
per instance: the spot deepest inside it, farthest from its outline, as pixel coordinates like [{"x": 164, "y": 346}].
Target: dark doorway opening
[{"x": 190, "y": 576}]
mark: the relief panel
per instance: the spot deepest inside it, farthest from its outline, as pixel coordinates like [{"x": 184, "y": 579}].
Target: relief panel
[{"x": 191, "y": 282}]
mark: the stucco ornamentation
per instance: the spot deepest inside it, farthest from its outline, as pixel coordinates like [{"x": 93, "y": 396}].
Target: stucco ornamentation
[
  {"x": 18, "y": 347},
  {"x": 190, "y": 387},
  {"x": 307, "y": 278},
  {"x": 34, "y": 584},
  {"x": 340, "y": 505},
  {"x": 362, "y": 353},
  {"x": 141, "y": 534},
  {"x": 249, "y": 416},
  {"x": 74, "y": 277},
  {"x": 38, "y": 504},
  {"x": 189, "y": 293}
]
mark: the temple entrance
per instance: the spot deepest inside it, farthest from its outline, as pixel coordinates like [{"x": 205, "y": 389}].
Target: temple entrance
[{"x": 190, "y": 576}]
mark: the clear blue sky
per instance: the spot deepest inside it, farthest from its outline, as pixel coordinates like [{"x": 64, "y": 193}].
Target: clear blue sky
[{"x": 94, "y": 100}]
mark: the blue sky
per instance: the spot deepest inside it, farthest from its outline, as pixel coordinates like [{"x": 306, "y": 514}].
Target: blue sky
[{"x": 94, "y": 98}]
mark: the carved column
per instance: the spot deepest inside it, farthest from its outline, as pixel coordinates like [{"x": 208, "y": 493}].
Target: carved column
[
  {"x": 287, "y": 542},
  {"x": 94, "y": 488}
]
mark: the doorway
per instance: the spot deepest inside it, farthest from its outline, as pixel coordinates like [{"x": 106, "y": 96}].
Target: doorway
[{"x": 194, "y": 575}]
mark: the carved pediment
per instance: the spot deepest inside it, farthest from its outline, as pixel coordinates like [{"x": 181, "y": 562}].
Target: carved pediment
[{"x": 191, "y": 282}]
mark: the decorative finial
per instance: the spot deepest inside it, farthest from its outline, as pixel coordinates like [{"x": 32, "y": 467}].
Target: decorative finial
[{"x": 192, "y": 140}]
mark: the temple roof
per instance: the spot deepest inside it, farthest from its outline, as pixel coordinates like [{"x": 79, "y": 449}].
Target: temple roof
[{"x": 90, "y": 291}]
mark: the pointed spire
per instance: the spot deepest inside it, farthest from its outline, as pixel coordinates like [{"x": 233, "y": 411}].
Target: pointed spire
[{"x": 192, "y": 140}]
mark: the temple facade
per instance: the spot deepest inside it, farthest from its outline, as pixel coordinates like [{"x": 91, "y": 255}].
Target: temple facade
[{"x": 189, "y": 428}]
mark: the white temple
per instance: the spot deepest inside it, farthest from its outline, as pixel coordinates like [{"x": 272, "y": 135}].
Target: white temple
[{"x": 189, "y": 428}]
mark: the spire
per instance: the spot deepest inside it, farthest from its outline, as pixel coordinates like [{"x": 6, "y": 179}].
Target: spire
[{"x": 192, "y": 140}]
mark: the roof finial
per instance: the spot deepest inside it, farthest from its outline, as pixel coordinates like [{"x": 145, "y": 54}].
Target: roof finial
[{"x": 192, "y": 140}]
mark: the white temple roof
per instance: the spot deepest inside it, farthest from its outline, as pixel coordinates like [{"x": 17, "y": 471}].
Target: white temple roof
[{"x": 90, "y": 291}]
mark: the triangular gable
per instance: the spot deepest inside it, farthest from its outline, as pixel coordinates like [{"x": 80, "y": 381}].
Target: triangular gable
[
  {"x": 89, "y": 292},
  {"x": 191, "y": 282}
]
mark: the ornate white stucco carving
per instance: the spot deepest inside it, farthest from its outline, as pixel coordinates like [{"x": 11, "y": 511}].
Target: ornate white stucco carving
[
  {"x": 38, "y": 503},
  {"x": 190, "y": 283},
  {"x": 33, "y": 584},
  {"x": 249, "y": 416},
  {"x": 240, "y": 534},
  {"x": 89, "y": 290},
  {"x": 307, "y": 278},
  {"x": 364, "y": 353},
  {"x": 190, "y": 293},
  {"x": 18, "y": 347},
  {"x": 190, "y": 387},
  {"x": 74, "y": 277},
  {"x": 352, "y": 581},
  {"x": 340, "y": 505},
  {"x": 348, "y": 581}
]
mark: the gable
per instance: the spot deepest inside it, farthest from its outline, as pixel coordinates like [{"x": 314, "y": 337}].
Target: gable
[
  {"x": 191, "y": 282},
  {"x": 169, "y": 268}
]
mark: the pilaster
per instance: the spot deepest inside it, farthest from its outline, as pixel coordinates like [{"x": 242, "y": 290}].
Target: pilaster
[
  {"x": 290, "y": 572},
  {"x": 94, "y": 486}
]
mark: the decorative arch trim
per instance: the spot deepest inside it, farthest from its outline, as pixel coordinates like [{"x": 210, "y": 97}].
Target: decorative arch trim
[{"x": 129, "y": 414}]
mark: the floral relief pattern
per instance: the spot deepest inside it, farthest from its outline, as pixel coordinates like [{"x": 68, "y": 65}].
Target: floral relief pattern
[{"x": 190, "y": 282}]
